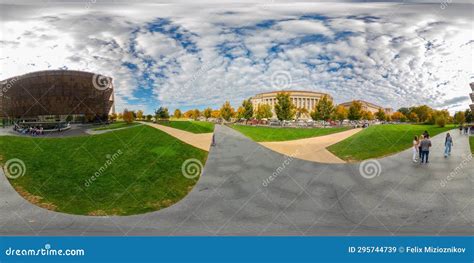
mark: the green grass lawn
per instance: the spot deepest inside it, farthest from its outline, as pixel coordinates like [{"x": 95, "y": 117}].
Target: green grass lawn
[
  {"x": 190, "y": 126},
  {"x": 471, "y": 140},
  {"x": 381, "y": 140},
  {"x": 137, "y": 170},
  {"x": 115, "y": 125},
  {"x": 274, "y": 134}
]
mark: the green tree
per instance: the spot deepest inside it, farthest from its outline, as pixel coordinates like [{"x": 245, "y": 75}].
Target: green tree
[
  {"x": 177, "y": 114},
  {"x": 405, "y": 111},
  {"x": 162, "y": 113},
  {"x": 323, "y": 109},
  {"x": 398, "y": 116},
  {"x": 355, "y": 111},
  {"x": 441, "y": 121},
  {"x": 248, "y": 109},
  {"x": 460, "y": 117},
  {"x": 207, "y": 113},
  {"x": 264, "y": 111},
  {"x": 423, "y": 112},
  {"x": 469, "y": 116},
  {"x": 140, "y": 115},
  {"x": 300, "y": 112},
  {"x": 340, "y": 113},
  {"x": 241, "y": 112},
  {"x": 284, "y": 108},
  {"x": 380, "y": 114},
  {"x": 413, "y": 117},
  {"x": 367, "y": 115},
  {"x": 127, "y": 116},
  {"x": 196, "y": 114},
  {"x": 113, "y": 116},
  {"x": 149, "y": 117},
  {"x": 227, "y": 111}
]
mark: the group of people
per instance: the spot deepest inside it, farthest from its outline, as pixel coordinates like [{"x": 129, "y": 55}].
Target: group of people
[
  {"x": 465, "y": 130},
  {"x": 422, "y": 145},
  {"x": 32, "y": 130}
]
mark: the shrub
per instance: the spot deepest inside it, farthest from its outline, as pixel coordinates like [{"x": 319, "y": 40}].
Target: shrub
[{"x": 441, "y": 121}]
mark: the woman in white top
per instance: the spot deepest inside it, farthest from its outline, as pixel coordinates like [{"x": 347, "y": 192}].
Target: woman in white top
[{"x": 416, "y": 145}]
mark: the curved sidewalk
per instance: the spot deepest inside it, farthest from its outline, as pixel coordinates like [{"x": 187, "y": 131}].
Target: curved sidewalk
[
  {"x": 312, "y": 149},
  {"x": 199, "y": 140},
  {"x": 235, "y": 196}
]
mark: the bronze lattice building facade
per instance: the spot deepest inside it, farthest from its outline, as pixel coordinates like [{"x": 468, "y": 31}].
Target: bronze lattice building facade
[{"x": 57, "y": 95}]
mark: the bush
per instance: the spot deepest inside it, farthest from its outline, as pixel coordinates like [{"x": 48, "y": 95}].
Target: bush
[{"x": 441, "y": 121}]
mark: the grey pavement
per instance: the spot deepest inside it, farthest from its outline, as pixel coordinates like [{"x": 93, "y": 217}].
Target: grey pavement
[
  {"x": 234, "y": 196},
  {"x": 75, "y": 130}
]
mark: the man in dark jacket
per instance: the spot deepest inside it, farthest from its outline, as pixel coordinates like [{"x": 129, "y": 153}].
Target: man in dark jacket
[{"x": 425, "y": 149}]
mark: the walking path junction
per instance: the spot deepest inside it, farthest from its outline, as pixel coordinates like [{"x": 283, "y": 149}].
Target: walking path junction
[
  {"x": 199, "y": 140},
  {"x": 248, "y": 189},
  {"x": 312, "y": 149}
]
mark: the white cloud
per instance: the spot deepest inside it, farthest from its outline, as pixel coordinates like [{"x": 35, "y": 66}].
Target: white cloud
[{"x": 395, "y": 55}]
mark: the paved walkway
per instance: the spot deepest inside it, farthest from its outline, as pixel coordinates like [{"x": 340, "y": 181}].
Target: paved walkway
[
  {"x": 312, "y": 149},
  {"x": 198, "y": 140},
  {"x": 91, "y": 131},
  {"x": 235, "y": 196}
]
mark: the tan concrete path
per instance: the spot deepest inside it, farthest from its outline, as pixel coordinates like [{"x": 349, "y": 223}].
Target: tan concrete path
[
  {"x": 312, "y": 149},
  {"x": 198, "y": 140}
]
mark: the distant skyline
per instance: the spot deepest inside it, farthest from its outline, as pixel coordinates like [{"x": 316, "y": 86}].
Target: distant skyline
[{"x": 198, "y": 54}]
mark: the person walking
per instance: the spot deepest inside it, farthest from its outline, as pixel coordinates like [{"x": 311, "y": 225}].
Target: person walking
[
  {"x": 425, "y": 148},
  {"x": 416, "y": 145},
  {"x": 448, "y": 144},
  {"x": 426, "y": 134},
  {"x": 419, "y": 146},
  {"x": 460, "y": 129}
]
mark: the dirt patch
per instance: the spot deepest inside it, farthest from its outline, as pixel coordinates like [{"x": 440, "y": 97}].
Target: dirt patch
[
  {"x": 35, "y": 199},
  {"x": 161, "y": 204},
  {"x": 97, "y": 213}
]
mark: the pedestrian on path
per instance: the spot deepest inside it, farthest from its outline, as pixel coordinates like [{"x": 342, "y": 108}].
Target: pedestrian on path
[
  {"x": 460, "y": 129},
  {"x": 425, "y": 148},
  {"x": 420, "y": 152},
  {"x": 448, "y": 144},
  {"x": 416, "y": 145}
]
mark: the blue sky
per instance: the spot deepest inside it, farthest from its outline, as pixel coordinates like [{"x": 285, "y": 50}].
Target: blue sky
[{"x": 195, "y": 54}]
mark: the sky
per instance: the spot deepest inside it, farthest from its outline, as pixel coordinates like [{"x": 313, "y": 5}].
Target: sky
[{"x": 195, "y": 54}]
